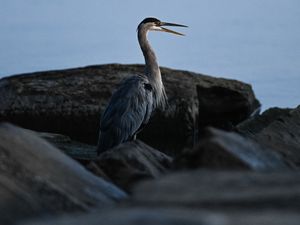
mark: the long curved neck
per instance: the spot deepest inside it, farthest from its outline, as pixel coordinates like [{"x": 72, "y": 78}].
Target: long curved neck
[{"x": 152, "y": 70}]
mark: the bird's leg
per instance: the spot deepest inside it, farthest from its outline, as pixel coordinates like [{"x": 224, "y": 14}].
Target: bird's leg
[{"x": 133, "y": 137}]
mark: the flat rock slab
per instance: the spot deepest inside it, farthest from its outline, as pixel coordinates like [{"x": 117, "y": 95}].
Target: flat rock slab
[
  {"x": 80, "y": 151},
  {"x": 277, "y": 129},
  {"x": 71, "y": 101},
  {"x": 38, "y": 179},
  {"x": 223, "y": 190},
  {"x": 131, "y": 162},
  {"x": 228, "y": 150},
  {"x": 175, "y": 216}
]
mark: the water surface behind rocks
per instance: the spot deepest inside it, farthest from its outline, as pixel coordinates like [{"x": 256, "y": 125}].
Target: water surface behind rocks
[{"x": 253, "y": 41}]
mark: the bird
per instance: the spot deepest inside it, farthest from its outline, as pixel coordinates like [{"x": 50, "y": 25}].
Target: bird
[{"x": 137, "y": 96}]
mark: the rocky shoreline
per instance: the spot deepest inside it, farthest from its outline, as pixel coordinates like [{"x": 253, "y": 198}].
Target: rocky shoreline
[{"x": 210, "y": 158}]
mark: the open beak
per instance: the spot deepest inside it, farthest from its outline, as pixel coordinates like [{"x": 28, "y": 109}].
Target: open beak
[{"x": 162, "y": 24}]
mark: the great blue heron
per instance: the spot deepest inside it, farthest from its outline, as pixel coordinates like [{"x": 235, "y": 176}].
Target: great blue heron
[{"x": 133, "y": 102}]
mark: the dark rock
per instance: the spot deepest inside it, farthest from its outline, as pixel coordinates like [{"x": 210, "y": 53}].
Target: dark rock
[
  {"x": 37, "y": 179},
  {"x": 255, "y": 124},
  {"x": 277, "y": 129},
  {"x": 222, "y": 191},
  {"x": 131, "y": 162},
  {"x": 225, "y": 103},
  {"x": 70, "y": 102},
  {"x": 228, "y": 150},
  {"x": 176, "y": 216}
]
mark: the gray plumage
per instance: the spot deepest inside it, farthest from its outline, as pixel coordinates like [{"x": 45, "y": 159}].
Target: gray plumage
[{"x": 132, "y": 104}]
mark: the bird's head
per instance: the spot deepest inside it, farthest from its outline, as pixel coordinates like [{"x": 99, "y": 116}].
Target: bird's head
[{"x": 153, "y": 24}]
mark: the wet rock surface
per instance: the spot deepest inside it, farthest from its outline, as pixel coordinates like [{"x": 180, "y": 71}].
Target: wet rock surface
[
  {"x": 70, "y": 102},
  {"x": 37, "y": 179}
]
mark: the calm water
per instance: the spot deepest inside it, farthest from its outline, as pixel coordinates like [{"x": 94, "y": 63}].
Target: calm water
[{"x": 255, "y": 41}]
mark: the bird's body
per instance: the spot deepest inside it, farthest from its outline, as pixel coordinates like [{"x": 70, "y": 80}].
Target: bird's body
[
  {"x": 126, "y": 112},
  {"x": 132, "y": 104}
]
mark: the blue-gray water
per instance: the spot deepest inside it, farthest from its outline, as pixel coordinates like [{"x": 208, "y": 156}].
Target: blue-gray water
[{"x": 255, "y": 41}]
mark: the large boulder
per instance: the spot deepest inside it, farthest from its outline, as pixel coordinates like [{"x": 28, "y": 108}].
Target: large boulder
[
  {"x": 71, "y": 101},
  {"x": 277, "y": 129},
  {"x": 131, "y": 162},
  {"x": 38, "y": 179},
  {"x": 228, "y": 150},
  {"x": 225, "y": 103}
]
